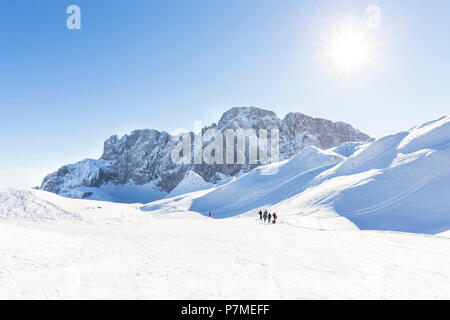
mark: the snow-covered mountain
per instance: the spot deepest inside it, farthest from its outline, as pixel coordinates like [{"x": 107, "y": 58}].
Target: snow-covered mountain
[
  {"x": 399, "y": 182},
  {"x": 139, "y": 165},
  {"x": 58, "y": 248}
]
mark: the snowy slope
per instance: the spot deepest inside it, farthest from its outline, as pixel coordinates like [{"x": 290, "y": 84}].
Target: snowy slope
[
  {"x": 23, "y": 205},
  {"x": 188, "y": 256},
  {"x": 190, "y": 183},
  {"x": 399, "y": 183},
  {"x": 26, "y": 206},
  {"x": 348, "y": 149},
  {"x": 267, "y": 185},
  {"x": 445, "y": 234}
]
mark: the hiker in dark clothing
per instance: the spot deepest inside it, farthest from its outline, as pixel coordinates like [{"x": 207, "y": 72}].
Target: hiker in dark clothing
[
  {"x": 275, "y": 217},
  {"x": 269, "y": 217},
  {"x": 260, "y": 215},
  {"x": 265, "y": 216}
]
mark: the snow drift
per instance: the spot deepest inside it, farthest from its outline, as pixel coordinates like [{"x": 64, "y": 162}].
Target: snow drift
[
  {"x": 23, "y": 205},
  {"x": 36, "y": 206}
]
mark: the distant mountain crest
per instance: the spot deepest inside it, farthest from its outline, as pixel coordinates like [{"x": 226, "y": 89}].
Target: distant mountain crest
[{"x": 143, "y": 157}]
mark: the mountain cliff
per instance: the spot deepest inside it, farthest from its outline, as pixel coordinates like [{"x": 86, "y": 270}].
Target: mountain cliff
[{"x": 143, "y": 158}]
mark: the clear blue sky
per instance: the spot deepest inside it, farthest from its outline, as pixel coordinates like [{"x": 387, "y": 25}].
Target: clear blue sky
[{"x": 164, "y": 64}]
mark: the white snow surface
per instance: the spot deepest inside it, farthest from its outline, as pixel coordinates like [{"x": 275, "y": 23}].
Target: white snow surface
[
  {"x": 445, "y": 234},
  {"x": 190, "y": 183},
  {"x": 24, "y": 205},
  {"x": 348, "y": 149},
  {"x": 34, "y": 206},
  {"x": 117, "y": 251}
]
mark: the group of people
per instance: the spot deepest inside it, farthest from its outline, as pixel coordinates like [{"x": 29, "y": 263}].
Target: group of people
[{"x": 266, "y": 216}]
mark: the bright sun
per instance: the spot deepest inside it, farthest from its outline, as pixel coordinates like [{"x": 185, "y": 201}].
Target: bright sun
[{"x": 350, "y": 50}]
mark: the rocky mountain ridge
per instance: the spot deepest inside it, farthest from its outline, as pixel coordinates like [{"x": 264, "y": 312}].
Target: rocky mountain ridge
[{"x": 143, "y": 158}]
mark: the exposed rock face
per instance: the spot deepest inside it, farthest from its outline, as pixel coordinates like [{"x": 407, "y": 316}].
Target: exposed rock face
[
  {"x": 144, "y": 156},
  {"x": 301, "y": 131},
  {"x": 140, "y": 158}
]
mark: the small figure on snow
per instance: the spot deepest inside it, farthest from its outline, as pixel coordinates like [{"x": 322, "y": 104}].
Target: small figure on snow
[
  {"x": 269, "y": 217},
  {"x": 275, "y": 217},
  {"x": 260, "y": 215},
  {"x": 265, "y": 216}
]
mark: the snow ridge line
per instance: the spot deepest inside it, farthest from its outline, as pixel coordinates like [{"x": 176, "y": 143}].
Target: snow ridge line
[{"x": 393, "y": 200}]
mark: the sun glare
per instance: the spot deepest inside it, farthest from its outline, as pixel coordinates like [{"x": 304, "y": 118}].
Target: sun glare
[{"x": 350, "y": 50}]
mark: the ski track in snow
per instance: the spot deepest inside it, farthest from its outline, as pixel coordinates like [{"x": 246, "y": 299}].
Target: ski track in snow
[{"x": 395, "y": 199}]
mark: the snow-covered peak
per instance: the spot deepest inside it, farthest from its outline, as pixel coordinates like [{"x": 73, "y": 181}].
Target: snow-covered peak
[
  {"x": 190, "y": 183},
  {"x": 246, "y": 118},
  {"x": 89, "y": 173}
]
